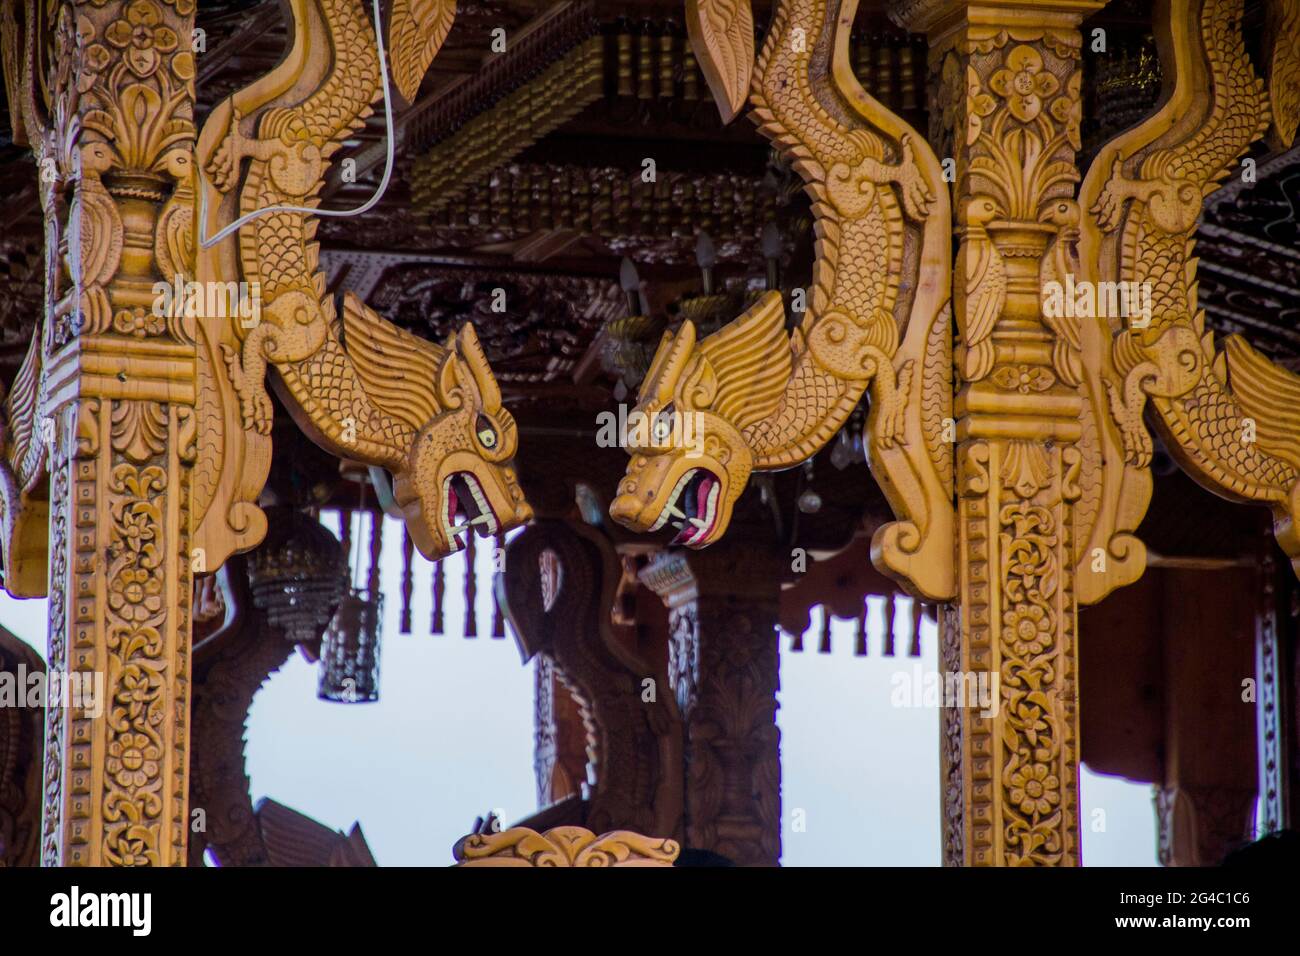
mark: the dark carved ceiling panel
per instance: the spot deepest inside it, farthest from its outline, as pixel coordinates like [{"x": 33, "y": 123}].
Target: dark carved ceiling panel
[{"x": 1250, "y": 258}]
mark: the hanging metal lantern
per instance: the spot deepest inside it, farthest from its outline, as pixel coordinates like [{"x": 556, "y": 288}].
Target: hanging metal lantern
[
  {"x": 298, "y": 576},
  {"x": 349, "y": 660}
]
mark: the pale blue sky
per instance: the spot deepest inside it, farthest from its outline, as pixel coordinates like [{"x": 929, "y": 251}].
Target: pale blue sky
[{"x": 452, "y": 737}]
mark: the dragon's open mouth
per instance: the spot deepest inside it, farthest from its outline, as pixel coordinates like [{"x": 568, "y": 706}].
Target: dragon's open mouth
[
  {"x": 692, "y": 507},
  {"x": 466, "y": 508}
]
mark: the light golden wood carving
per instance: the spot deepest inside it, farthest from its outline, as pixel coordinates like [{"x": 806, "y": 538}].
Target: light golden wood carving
[
  {"x": 101, "y": 418},
  {"x": 1010, "y": 80},
  {"x": 564, "y": 847},
  {"x": 1229, "y": 417},
  {"x": 430, "y": 415},
  {"x": 417, "y": 32},
  {"x": 1283, "y": 67},
  {"x": 144, "y": 422},
  {"x": 762, "y": 399},
  {"x": 722, "y": 36}
]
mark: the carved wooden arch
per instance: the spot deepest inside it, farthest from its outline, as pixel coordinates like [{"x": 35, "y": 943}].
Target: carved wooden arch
[
  {"x": 21, "y": 732},
  {"x": 635, "y": 747}
]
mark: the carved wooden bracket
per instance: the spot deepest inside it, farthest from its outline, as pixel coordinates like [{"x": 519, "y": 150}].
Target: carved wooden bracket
[{"x": 755, "y": 398}]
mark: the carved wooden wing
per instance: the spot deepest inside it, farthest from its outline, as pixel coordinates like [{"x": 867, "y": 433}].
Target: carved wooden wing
[
  {"x": 415, "y": 33},
  {"x": 722, "y": 36},
  {"x": 396, "y": 368},
  {"x": 751, "y": 361}
]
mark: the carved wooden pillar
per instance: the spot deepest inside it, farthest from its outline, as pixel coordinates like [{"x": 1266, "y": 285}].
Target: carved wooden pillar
[
  {"x": 1207, "y": 801},
  {"x": 119, "y": 396},
  {"x": 1008, "y": 115},
  {"x": 723, "y": 665}
]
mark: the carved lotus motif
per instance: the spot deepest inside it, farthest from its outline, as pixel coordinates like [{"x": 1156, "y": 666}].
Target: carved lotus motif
[
  {"x": 1031, "y": 627},
  {"x": 132, "y": 759},
  {"x": 1068, "y": 108},
  {"x": 142, "y": 37},
  {"x": 1024, "y": 84},
  {"x": 1034, "y": 789},
  {"x": 136, "y": 595},
  {"x": 978, "y": 106}
]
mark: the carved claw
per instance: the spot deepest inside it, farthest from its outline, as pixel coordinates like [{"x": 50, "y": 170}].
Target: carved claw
[
  {"x": 254, "y": 401},
  {"x": 916, "y": 194},
  {"x": 1110, "y": 204},
  {"x": 891, "y": 390},
  {"x": 1172, "y": 204},
  {"x": 1126, "y": 409},
  {"x": 224, "y": 163}
]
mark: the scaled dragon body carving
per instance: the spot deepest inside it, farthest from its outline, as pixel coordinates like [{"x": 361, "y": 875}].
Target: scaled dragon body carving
[
  {"x": 765, "y": 400},
  {"x": 360, "y": 387},
  {"x": 1230, "y": 417}
]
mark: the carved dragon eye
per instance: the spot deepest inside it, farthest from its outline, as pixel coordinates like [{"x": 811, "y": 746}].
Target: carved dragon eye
[
  {"x": 663, "y": 426},
  {"x": 487, "y": 435}
]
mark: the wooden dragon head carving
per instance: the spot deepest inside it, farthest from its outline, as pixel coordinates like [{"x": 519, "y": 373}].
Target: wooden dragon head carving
[
  {"x": 691, "y": 456},
  {"x": 446, "y": 438}
]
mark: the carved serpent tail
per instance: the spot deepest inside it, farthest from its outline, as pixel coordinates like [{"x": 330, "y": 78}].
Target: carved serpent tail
[
  {"x": 1239, "y": 113},
  {"x": 300, "y": 332},
  {"x": 342, "y": 104},
  {"x": 849, "y": 332}
]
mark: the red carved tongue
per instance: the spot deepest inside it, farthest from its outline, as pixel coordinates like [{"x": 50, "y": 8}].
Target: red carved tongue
[
  {"x": 702, "y": 498},
  {"x": 451, "y": 504}
]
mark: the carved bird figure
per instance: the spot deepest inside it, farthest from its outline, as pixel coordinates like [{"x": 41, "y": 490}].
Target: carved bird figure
[
  {"x": 95, "y": 234},
  {"x": 981, "y": 286},
  {"x": 1059, "y": 261},
  {"x": 173, "y": 245}
]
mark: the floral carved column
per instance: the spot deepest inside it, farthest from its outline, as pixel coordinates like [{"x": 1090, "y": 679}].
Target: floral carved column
[
  {"x": 116, "y": 408},
  {"x": 1009, "y": 83}
]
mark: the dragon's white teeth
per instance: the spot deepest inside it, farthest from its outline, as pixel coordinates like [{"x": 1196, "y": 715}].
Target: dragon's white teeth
[
  {"x": 710, "y": 508},
  {"x": 670, "y": 510}
]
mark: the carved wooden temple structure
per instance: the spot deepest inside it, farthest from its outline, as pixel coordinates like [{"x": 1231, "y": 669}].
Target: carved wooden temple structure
[{"x": 992, "y": 303}]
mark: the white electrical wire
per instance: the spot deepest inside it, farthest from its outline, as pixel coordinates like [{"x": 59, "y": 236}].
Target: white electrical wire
[{"x": 209, "y": 241}]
